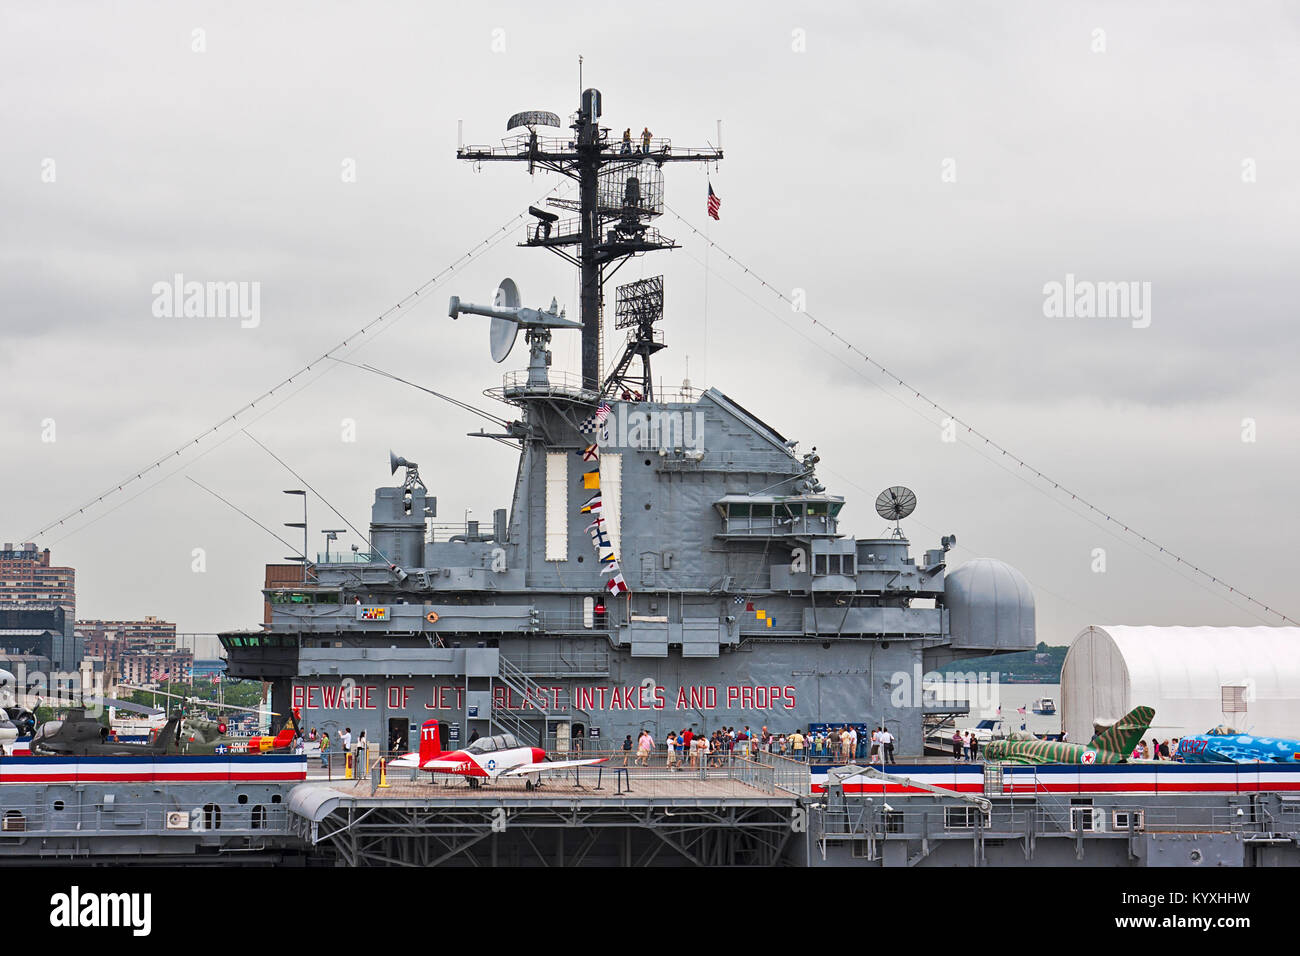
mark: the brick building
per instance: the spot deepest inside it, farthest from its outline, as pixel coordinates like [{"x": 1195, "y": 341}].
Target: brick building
[{"x": 28, "y": 579}]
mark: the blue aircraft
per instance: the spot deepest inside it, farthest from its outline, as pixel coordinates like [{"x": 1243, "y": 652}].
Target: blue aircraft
[{"x": 1225, "y": 745}]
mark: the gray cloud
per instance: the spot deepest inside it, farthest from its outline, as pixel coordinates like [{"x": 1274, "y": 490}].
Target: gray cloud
[{"x": 225, "y": 165}]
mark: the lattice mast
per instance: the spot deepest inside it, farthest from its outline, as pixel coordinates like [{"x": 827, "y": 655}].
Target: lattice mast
[{"x": 620, "y": 191}]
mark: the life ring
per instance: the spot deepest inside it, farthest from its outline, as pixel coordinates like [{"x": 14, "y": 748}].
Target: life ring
[{"x": 432, "y": 617}]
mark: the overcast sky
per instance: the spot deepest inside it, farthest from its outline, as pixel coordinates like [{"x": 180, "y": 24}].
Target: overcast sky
[{"x": 920, "y": 171}]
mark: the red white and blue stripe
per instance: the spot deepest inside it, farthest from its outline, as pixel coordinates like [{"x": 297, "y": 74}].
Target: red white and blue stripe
[
  {"x": 267, "y": 768},
  {"x": 1063, "y": 778}
]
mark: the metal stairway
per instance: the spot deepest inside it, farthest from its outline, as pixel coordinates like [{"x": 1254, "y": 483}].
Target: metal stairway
[{"x": 546, "y": 706}]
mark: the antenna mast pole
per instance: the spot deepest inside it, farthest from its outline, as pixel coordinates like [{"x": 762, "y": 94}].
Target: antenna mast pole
[{"x": 619, "y": 190}]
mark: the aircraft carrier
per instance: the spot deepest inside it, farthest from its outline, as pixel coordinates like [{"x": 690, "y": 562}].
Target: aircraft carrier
[{"x": 668, "y": 561}]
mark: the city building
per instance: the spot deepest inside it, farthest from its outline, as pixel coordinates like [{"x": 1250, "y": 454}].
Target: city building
[
  {"x": 28, "y": 579},
  {"x": 113, "y": 639},
  {"x": 141, "y": 669}
]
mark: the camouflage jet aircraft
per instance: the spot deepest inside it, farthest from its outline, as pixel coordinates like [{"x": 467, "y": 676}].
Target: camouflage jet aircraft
[{"x": 1113, "y": 745}]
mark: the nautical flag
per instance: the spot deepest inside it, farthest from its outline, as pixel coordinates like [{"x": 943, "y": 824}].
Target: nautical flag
[
  {"x": 740, "y": 599},
  {"x": 596, "y": 420},
  {"x": 616, "y": 584},
  {"x": 599, "y": 539},
  {"x": 749, "y": 605},
  {"x": 592, "y": 506},
  {"x": 1020, "y": 710},
  {"x": 590, "y": 453},
  {"x": 714, "y": 203},
  {"x": 760, "y": 614},
  {"x": 608, "y": 557},
  {"x": 591, "y": 479}
]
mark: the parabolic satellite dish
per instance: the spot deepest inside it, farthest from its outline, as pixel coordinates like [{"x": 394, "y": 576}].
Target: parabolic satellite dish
[
  {"x": 503, "y": 331},
  {"x": 895, "y": 504}
]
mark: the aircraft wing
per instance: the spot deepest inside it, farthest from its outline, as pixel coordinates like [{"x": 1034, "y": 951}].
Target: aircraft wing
[
  {"x": 551, "y": 765},
  {"x": 405, "y": 760}
]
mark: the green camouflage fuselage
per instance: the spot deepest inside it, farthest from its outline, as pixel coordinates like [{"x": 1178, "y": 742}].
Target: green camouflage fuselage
[{"x": 1113, "y": 745}]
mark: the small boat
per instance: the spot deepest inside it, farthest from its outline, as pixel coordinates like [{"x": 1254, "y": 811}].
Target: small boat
[{"x": 1044, "y": 705}]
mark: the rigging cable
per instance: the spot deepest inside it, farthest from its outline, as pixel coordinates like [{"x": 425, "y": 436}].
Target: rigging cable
[
  {"x": 971, "y": 429},
  {"x": 412, "y": 298}
]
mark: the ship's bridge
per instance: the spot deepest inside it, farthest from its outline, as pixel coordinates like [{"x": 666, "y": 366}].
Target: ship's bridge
[{"x": 779, "y": 516}]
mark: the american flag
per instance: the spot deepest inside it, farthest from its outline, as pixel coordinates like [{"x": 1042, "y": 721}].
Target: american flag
[
  {"x": 714, "y": 203},
  {"x": 595, "y": 421}
]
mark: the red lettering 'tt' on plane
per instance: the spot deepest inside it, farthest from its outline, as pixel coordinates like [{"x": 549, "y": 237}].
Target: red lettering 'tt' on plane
[{"x": 487, "y": 758}]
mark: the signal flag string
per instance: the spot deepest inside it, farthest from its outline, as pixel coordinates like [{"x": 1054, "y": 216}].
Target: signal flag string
[
  {"x": 394, "y": 310},
  {"x": 971, "y": 429}
]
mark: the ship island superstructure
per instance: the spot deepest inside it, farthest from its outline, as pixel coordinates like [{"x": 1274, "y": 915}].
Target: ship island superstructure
[{"x": 667, "y": 561}]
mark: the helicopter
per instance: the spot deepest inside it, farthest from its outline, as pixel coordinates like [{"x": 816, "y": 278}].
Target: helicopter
[{"x": 80, "y": 735}]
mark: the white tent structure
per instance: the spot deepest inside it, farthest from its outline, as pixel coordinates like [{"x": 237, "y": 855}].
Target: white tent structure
[{"x": 1194, "y": 677}]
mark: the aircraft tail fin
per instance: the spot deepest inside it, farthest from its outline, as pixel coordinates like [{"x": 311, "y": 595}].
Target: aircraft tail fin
[
  {"x": 430, "y": 745},
  {"x": 1122, "y": 736}
]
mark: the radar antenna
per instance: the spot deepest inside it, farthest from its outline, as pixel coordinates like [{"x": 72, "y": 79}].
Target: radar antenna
[
  {"x": 637, "y": 306},
  {"x": 895, "y": 504},
  {"x": 508, "y": 317},
  {"x": 620, "y": 190}
]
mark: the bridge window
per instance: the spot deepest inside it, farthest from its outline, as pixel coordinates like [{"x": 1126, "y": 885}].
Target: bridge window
[{"x": 211, "y": 816}]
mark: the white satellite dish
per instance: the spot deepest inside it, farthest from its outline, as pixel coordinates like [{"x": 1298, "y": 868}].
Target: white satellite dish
[{"x": 503, "y": 331}]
